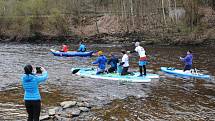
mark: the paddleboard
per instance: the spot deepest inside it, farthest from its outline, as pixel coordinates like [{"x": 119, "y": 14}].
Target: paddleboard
[
  {"x": 91, "y": 72},
  {"x": 179, "y": 72}
]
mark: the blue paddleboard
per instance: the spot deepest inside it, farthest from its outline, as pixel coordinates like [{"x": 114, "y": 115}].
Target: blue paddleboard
[
  {"x": 90, "y": 72},
  {"x": 179, "y": 72}
]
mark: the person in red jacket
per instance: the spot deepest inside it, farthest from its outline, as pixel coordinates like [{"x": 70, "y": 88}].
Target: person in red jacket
[{"x": 64, "y": 48}]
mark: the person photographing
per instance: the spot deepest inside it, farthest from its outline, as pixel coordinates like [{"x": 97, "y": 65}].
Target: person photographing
[{"x": 30, "y": 84}]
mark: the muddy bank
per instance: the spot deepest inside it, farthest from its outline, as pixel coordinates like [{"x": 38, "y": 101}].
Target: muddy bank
[{"x": 116, "y": 38}]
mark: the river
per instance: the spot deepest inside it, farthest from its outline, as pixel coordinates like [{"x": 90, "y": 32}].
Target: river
[{"x": 169, "y": 98}]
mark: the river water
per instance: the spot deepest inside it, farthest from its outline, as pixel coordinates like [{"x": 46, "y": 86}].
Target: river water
[{"x": 169, "y": 98}]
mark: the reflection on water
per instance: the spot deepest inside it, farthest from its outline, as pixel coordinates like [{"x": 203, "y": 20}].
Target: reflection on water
[
  {"x": 51, "y": 95},
  {"x": 169, "y": 98}
]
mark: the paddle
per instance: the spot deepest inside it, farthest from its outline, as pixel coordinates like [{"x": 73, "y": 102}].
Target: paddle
[{"x": 75, "y": 71}]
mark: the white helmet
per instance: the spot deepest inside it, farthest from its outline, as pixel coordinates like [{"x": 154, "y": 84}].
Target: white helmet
[{"x": 137, "y": 44}]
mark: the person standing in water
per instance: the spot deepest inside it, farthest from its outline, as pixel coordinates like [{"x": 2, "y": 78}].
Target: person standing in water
[
  {"x": 82, "y": 47},
  {"x": 101, "y": 61},
  {"x": 142, "y": 58},
  {"x": 32, "y": 98},
  {"x": 188, "y": 60}
]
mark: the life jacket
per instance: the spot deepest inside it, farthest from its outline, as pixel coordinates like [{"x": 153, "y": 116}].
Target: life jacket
[{"x": 65, "y": 48}]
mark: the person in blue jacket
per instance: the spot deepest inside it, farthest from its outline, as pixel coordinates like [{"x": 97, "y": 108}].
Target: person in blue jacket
[
  {"x": 188, "y": 60},
  {"x": 32, "y": 98},
  {"x": 101, "y": 61},
  {"x": 82, "y": 47},
  {"x": 113, "y": 62}
]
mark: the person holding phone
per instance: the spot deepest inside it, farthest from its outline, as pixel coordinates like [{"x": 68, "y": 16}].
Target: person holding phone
[{"x": 30, "y": 83}]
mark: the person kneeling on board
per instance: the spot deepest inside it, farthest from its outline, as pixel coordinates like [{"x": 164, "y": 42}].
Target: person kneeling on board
[
  {"x": 125, "y": 64},
  {"x": 101, "y": 61},
  {"x": 113, "y": 62}
]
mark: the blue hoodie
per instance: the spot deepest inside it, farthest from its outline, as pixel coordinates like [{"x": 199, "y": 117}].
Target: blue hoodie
[
  {"x": 101, "y": 60},
  {"x": 82, "y": 48},
  {"x": 113, "y": 62},
  {"x": 30, "y": 85},
  {"x": 188, "y": 59}
]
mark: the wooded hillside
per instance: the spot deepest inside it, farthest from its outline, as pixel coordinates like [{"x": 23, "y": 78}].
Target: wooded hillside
[{"x": 168, "y": 21}]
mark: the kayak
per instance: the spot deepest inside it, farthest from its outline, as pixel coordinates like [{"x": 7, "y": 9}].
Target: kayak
[
  {"x": 179, "y": 72},
  {"x": 72, "y": 53},
  {"x": 91, "y": 73}
]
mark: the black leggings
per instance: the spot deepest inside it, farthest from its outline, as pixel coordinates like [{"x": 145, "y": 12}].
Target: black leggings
[
  {"x": 111, "y": 70},
  {"x": 187, "y": 67},
  {"x": 33, "y": 108},
  {"x": 125, "y": 71},
  {"x": 141, "y": 70}
]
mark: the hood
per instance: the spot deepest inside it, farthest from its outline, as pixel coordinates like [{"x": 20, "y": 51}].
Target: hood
[{"x": 28, "y": 77}]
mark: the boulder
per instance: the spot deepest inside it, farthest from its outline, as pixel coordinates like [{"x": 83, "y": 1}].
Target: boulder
[
  {"x": 45, "y": 117},
  {"x": 73, "y": 111},
  {"x": 59, "y": 118},
  {"x": 52, "y": 111},
  {"x": 83, "y": 104},
  {"x": 84, "y": 109},
  {"x": 67, "y": 104}
]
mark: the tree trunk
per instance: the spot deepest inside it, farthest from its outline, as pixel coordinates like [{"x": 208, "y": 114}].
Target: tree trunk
[
  {"x": 132, "y": 12},
  {"x": 164, "y": 16},
  {"x": 97, "y": 28},
  {"x": 176, "y": 17}
]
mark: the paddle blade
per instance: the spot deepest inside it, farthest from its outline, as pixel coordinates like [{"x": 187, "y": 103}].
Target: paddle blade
[{"x": 75, "y": 71}]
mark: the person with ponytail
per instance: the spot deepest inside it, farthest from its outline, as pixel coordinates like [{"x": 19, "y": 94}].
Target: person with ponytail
[{"x": 32, "y": 98}]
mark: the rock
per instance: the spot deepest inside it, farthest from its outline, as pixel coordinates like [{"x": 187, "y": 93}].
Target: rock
[
  {"x": 113, "y": 118},
  {"x": 59, "y": 111},
  {"x": 84, "y": 109},
  {"x": 52, "y": 111},
  {"x": 67, "y": 104},
  {"x": 22, "y": 115},
  {"x": 83, "y": 104},
  {"x": 80, "y": 104},
  {"x": 73, "y": 111},
  {"x": 45, "y": 117},
  {"x": 140, "y": 119},
  {"x": 59, "y": 118}
]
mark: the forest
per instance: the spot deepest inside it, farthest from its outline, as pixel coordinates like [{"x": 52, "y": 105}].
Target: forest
[{"x": 152, "y": 21}]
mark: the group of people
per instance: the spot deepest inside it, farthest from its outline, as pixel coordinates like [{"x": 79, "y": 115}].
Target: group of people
[
  {"x": 82, "y": 47},
  {"x": 114, "y": 62},
  {"x": 31, "y": 79}
]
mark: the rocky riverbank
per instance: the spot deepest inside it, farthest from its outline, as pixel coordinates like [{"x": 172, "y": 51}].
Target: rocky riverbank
[{"x": 69, "y": 110}]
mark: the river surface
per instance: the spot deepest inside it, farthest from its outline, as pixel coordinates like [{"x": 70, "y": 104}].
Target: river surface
[{"x": 169, "y": 98}]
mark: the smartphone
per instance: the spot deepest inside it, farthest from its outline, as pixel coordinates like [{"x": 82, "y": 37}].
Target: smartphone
[{"x": 38, "y": 70}]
